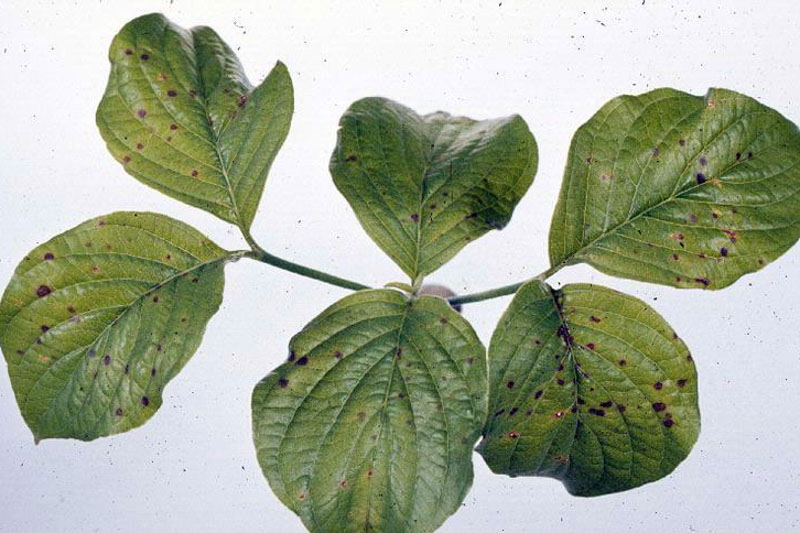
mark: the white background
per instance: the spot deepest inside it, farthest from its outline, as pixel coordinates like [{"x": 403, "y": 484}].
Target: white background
[{"x": 193, "y": 467}]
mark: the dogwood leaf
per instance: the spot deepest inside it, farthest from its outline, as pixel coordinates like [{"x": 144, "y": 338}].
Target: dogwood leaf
[
  {"x": 682, "y": 190},
  {"x": 369, "y": 425},
  {"x": 425, "y": 186},
  {"x": 96, "y": 321},
  {"x": 589, "y": 386},
  {"x": 182, "y": 117}
]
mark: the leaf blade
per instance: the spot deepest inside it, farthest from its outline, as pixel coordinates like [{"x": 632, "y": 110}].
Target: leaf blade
[
  {"x": 370, "y": 422},
  {"x": 422, "y": 187},
  {"x": 96, "y": 321},
  {"x": 177, "y": 110},
  {"x": 614, "y": 409},
  {"x": 681, "y": 190}
]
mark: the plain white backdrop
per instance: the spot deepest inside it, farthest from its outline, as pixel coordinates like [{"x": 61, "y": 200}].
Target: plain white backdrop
[{"x": 193, "y": 466}]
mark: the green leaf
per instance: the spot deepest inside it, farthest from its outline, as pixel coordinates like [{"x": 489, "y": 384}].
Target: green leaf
[
  {"x": 369, "y": 425},
  {"x": 682, "y": 190},
  {"x": 181, "y": 117},
  {"x": 424, "y": 186},
  {"x": 96, "y": 321},
  {"x": 589, "y": 386}
]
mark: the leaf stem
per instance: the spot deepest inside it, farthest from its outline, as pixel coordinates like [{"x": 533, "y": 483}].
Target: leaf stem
[
  {"x": 265, "y": 257},
  {"x": 504, "y": 290}
]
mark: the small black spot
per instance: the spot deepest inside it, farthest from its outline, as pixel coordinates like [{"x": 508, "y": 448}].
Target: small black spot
[
  {"x": 172, "y": 93},
  {"x": 303, "y": 361},
  {"x": 291, "y": 356},
  {"x": 560, "y": 381},
  {"x": 659, "y": 406},
  {"x": 658, "y": 385},
  {"x": 682, "y": 142},
  {"x": 594, "y": 319},
  {"x": 668, "y": 423},
  {"x": 623, "y": 362},
  {"x": 128, "y": 52},
  {"x": 513, "y": 435},
  {"x": 155, "y": 299},
  {"x": 283, "y": 382},
  {"x": 153, "y": 372},
  {"x": 738, "y": 156},
  {"x": 48, "y": 256},
  {"x": 44, "y": 328},
  {"x": 513, "y": 411},
  {"x": 127, "y": 369},
  {"x": 144, "y": 57},
  {"x": 749, "y": 155},
  {"x": 119, "y": 411},
  {"x": 90, "y": 353},
  {"x": 537, "y": 395},
  {"x": 703, "y": 160},
  {"x": 681, "y": 383},
  {"x": 145, "y": 401},
  {"x": 142, "y": 113},
  {"x": 351, "y": 158},
  {"x": 607, "y": 404},
  {"x": 704, "y": 281},
  {"x": 510, "y": 384},
  {"x": 242, "y": 100},
  {"x": 621, "y": 408},
  {"x": 106, "y": 359},
  {"x": 701, "y": 178},
  {"x": 597, "y": 412},
  {"x": 723, "y": 252},
  {"x": 414, "y": 217},
  {"x": 173, "y": 127}
]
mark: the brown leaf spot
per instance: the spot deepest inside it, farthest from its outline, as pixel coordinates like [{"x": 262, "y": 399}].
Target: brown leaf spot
[{"x": 43, "y": 290}]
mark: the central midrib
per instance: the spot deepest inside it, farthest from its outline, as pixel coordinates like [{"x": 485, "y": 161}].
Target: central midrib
[{"x": 215, "y": 140}]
